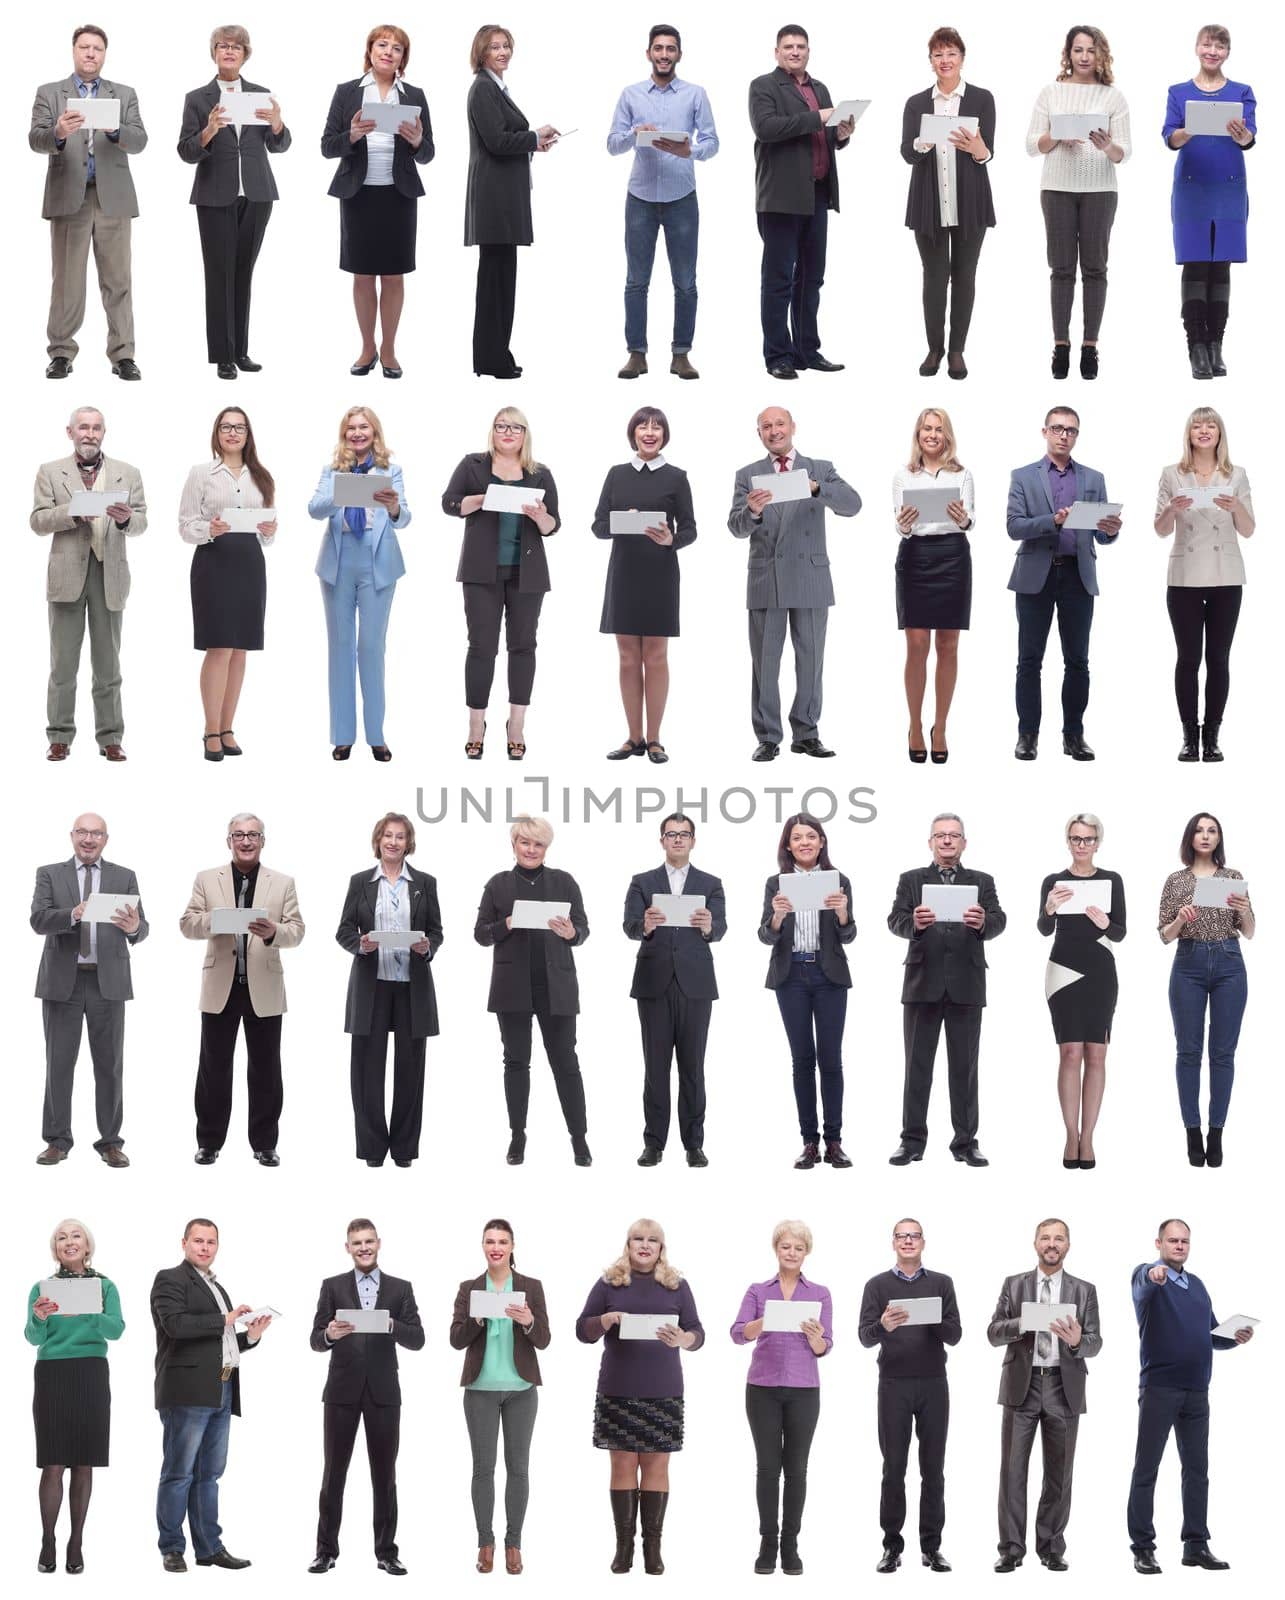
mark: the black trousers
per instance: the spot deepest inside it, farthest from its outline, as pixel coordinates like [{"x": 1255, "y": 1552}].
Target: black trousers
[
  {"x": 485, "y": 605},
  {"x": 339, "y": 1429},
  {"x": 674, "y": 1026},
  {"x": 921, "y": 1026},
  {"x": 921, "y": 1405},
  {"x": 231, "y": 237},
  {"x": 377, "y": 1135},
  {"x": 1204, "y": 623},
  {"x": 559, "y": 1035},
  {"x": 790, "y": 280},
  {"x": 1044, "y": 1409},
  {"x": 497, "y": 288},
  {"x": 782, "y": 1422},
  {"x": 214, "y": 1073},
  {"x": 1186, "y": 1413},
  {"x": 950, "y": 262}
]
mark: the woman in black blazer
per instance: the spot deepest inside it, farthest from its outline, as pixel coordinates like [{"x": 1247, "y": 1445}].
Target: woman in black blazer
[
  {"x": 377, "y": 188},
  {"x": 497, "y": 201},
  {"x": 232, "y": 191},
  {"x": 533, "y": 974},
  {"x": 949, "y": 206},
  {"x": 390, "y": 990},
  {"x": 809, "y": 972}
]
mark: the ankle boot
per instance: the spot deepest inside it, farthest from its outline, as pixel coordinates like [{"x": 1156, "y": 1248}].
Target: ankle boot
[
  {"x": 1209, "y": 750},
  {"x": 766, "y": 1561},
  {"x": 1216, "y": 320},
  {"x": 517, "y": 1147},
  {"x": 1214, "y": 1148},
  {"x": 1190, "y": 742},
  {"x": 1195, "y": 1147},
  {"x": 653, "y": 1503},
  {"x": 1194, "y": 320},
  {"x": 624, "y": 1508},
  {"x": 791, "y": 1564}
]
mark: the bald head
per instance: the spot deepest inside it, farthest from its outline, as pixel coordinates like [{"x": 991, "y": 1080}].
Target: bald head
[
  {"x": 776, "y": 430},
  {"x": 88, "y": 836}
]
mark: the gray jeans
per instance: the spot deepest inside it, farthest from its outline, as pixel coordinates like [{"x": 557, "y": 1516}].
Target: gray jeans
[{"x": 485, "y": 1410}]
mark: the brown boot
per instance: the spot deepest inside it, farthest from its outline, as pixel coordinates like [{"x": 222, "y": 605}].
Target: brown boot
[
  {"x": 486, "y": 1558},
  {"x": 512, "y": 1559},
  {"x": 624, "y": 1508},
  {"x": 681, "y": 367},
  {"x": 635, "y": 366}
]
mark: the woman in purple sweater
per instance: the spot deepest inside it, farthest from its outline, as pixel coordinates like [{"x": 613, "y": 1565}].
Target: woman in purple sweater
[{"x": 644, "y": 1311}]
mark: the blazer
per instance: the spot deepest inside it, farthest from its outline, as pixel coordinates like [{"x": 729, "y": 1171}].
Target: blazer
[
  {"x": 783, "y": 127},
  {"x": 511, "y": 953},
  {"x": 364, "y": 1363},
  {"x": 68, "y": 172},
  {"x": 667, "y": 954},
  {"x": 189, "y": 1340},
  {"x": 273, "y": 895},
  {"x": 789, "y": 565},
  {"x": 69, "y": 551},
  {"x": 1206, "y": 551},
  {"x": 479, "y": 551},
  {"x": 831, "y": 955},
  {"x": 351, "y": 173},
  {"x": 1030, "y": 519},
  {"x": 57, "y": 891},
  {"x": 381, "y": 530},
  {"x": 468, "y": 1337},
  {"x": 946, "y": 961},
  {"x": 497, "y": 194},
  {"x": 358, "y": 917},
  {"x": 972, "y": 178},
  {"x": 1005, "y": 1328},
  {"x": 228, "y": 165}
]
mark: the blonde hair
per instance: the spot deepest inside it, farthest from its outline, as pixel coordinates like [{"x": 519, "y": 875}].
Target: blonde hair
[
  {"x": 948, "y": 457},
  {"x": 618, "y": 1274},
  {"x": 345, "y": 458},
  {"x": 1222, "y": 460},
  {"x": 526, "y": 456},
  {"x": 481, "y": 45},
  {"x": 1089, "y": 821},
  {"x": 72, "y": 1222},
  {"x": 533, "y": 827},
  {"x": 792, "y": 1228}
]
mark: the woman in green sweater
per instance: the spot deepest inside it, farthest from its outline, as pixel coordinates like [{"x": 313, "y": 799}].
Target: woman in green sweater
[{"x": 72, "y": 1407}]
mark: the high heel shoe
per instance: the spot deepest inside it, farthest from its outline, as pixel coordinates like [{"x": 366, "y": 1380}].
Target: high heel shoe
[
  {"x": 939, "y": 757},
  {"x": 917, "y": 754},
  {"x": 381, "y": 752},
  {"x": 212, "y": 755},
  {"x": 516, "y": 749},
  {"x": 473, "y": 749},
  {"x": 341, "y": 752},
  {"x": 1195, "y": 1147},
  {"x": 360, "y": 369},
  {"x": 78, "y": 1565},
  {"x": 233, "y": 749},
  {"x": 48, "y": 1561}
]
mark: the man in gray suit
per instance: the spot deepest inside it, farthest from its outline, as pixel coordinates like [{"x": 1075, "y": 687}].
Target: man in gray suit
[
  {"x": 88, "y": 577},
  {"x": 89, "y": 199},
  {"x": 84, "y": 977},
  {"x": 1042, "y": 1386},
  {"x": 789, "y": 581}
]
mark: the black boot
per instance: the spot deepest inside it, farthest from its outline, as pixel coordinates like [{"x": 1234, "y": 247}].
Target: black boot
[
  {"x": 624, "y": 1508},
  {"x": 1209, "y": 750},
  {"x": 1216, "y": 318},
  {"x": 1195, "y": 1147},
  {"x": 1214, "y": 1148},
  {"x": 791, "y": 1564},
  {"x": 1061, "y": 360},
  {"x": 766, "y": 1561},
  {"x": 517, "y": 1147},
  {"x": 653, "y": 1503},
  {"x": 1201, "y": 366},
  {"x": 1190, "y": 742},
  {"x": 1194, "y": 315}
]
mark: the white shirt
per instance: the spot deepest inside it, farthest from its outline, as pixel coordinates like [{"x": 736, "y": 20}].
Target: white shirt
[
  {"x": 1054, "y": 1280},
  {"x": 904, "y": 479},
  {"x": 946, "y": 105},
  {"x": 807, "y": 924},
  {"x": 788, "y": 459},
  {"x": 677, "y": 877},
  {"x": 392, "y": 911},
  {"x": 231, "y": 1355},
  {"x": 211, "y": 488},
  {"x": 379, "y": 146},
  {"x": 236, "y": 87},
  {"x": 88, "y": 884},
  {"x": 654, "y": 465}
]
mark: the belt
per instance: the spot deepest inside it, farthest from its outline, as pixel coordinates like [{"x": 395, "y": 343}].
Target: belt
[
  {"x": 1043, "y": 1370},
  {"x": 242, "y": 977},
  {"x": 226, "y": 1373},
  {"x": 1061, "y": 561},
  {"x": 805, "y": 955},
  {"x": 86, "y": 966}
]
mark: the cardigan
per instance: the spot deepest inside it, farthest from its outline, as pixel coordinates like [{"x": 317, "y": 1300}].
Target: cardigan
[
  {"x": 1079, "y": 168},
  {"x": 972, "y": 178}
]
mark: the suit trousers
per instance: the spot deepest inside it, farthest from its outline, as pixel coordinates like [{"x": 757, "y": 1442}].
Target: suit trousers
[
  {"x": 921, "y": 1026},
  {"x": 66, "y": 636},
  {"x": 497, "y": 288},
  {"x": 559, "y": 1035},
  {"x": 339, "y": 1432},
  {"x": 1065, "y": 594},
  {"x": 1045, "y": 1408},
  {"x": 921, "y": 1405},
  {"x": 1077, "y": 225},
  {"x": 70, "y": 239},
  {"x": 104, "y": 1021},
  {"x": 813, "y": 1011},
  {"x": 377, "y": 1135},
  {"x": 950, "y": 262},
  {"x": 807, "y": 625},
  {"x": 486, "y": 1411},
  {"x": 791, "y": 277},
  {"x": 1186, "y": 1412},
  {"x": 214, "y": 1073},
  {"x": 782, "y": 1422},
  {"x": 485, "y": 604},
  {"x": 674, "y": 1026},
  {"x": 357, "y": 615},
  {"x": 231, "y": 237}
]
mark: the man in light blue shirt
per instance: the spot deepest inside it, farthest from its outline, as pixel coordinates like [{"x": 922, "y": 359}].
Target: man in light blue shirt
[{"x": 662, "y": 193}]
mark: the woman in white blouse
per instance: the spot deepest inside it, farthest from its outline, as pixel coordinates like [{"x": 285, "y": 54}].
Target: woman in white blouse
[
  {"x": 1204, "y": 501},
  {"x": 1080, "y": 125},
  {"x": 229, "y": 580},
  {"x": 934, "y": 572}
]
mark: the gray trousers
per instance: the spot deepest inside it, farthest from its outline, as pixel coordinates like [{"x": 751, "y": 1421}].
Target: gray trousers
[
  {"x": 70, "y": 239},
  {"x": 105, "y": 1022},
  {"x": 1044, "y": 1408},
  {"x": 1077, "y": 225},
  {"x": 485, "y": 1412},
  {"x": 767, "y": 642},
  {"x": 66, "y": 634}
]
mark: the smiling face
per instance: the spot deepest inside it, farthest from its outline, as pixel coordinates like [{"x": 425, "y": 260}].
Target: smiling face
[
  {"x": 88, "y": 837},
  {"x": 499, "y": 52},
  {"x": 392, "y": 844},
  {"x": 804, "y": 845},
  {"x": 507, "y": 436},
  {"x": 233, "y": 431},
  {"x": 791, "y": 1253},
  {"x": 229, "y": 57},
  {"x": 645, "y": 1245},
  {"x": 1211, "y": 53},
  {"x": 1205, "y": 435},
  {"x": 363, "y": 1246},
  {"x": 529, "y": 852},
  {"x": 664, "y": 55},
  {"x": 71, "y": 1247},
  {"x": 946, "y": 61},
  {"x": 86, "y": 432},
  {"x": 1206, "y": 837},
  {"x": 359, "y": 434},
  {"x": 908, "y": 1243},
  {"x": 246, "y": 842},
  {"x": 497, "y": 1247},
  {"x": 932, "y": 436},
  {"x": 87, "y": 55},
  {"x": 776, "y": 430},
  {"x": 649, "y": 438},
  {"x": 386, "y": 56},
  {"x": 793, "y": 53},
  {"x": 1083, "y": 56},
  {"x": 1051, "y": 1245},
  {"x": 201, "y": 1245},
  {"x": 1174, "y": 1245}
]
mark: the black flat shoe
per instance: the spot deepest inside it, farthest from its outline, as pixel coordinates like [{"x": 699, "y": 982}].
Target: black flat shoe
[
  {"x": 811, "y": 1155},
  {"x": 1088, "y": 362},
  {"x": 931, "y": 364},
  {"x": 244, "y": 364},
  {"x": 1088, "y": 1166},
  {"x": 233, "y": 749},
  {"x": 341, "y": 752},
  {"x": 889, "y": 1561},
  {"x": 321, "y": 1563},
  {"x": 360, "y": 369},
  {"x": 955, "y": 365},
  {"x": 225, "y": 369},
  {"x": 381, "y": 752},
  {"x": 1144, "y": 1561},
  {"x": 267, "y": 1158},
  {"x": 697, "y": 1158},
  {"x": 1200, "y": 1555},
  {"x": 651, "y": 1156},
  {"x": 212, "y": 755},
  {"x": 972, "y": 1157},
  {"x": 1027, "y": 746},
  {"x": 225, "y": 1559},
  {"x": 580, "y": 1150},
  {"x": 939, "y": 757},
  {"x": 1054, "y": 1563},
  {"x": 517, "y": 1148},
  {"x": 809, "y": 747},
  {"x": 1008, "y": 1563},
  {"x": 782, "y": 369},
  {"x": 1073, "y": 1165},
  {"x": 205, "y": 1157},
  {"x": 392, "y": 1566},
  {"x": 818, "y": 363},
  {"x": 1073, "y": 745},
  {"x": 629, "y": 748},
  {"x": 390, "y": 372},
  {"x": 397, "y": 1163},
  {"x": 1061, "y": 365},
  {"x": 173, "y": 1561},
  {"x": 656, "y": 752}
]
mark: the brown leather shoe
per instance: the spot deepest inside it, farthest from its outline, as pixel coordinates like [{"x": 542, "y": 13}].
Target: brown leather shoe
[
  {"x": 512, "y": 1559},
  {"x": 635, "y": 366},
  {"x": 114, "y": 1156},
  {"x": 51, "y": 1155},
  {"x": 486, "y": 1558},
  {"x": 113, "y": 752},
  {"x": 681, "y": 367},
  {"x": 57, "y": 752}
]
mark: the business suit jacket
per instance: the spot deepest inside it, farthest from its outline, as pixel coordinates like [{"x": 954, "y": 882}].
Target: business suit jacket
[
  {"x": 1005, "y": 1329},
  {"x": 381, "y": 530},
  {"x": 783, "y": 126},
  {"x": 189, "y": 1340},
  {"x": 1206, "y": 552},
  {"x": 227, "y": 164},
  {"x": 57, "y": 891},
  {"x": 366, "y": 1361},
  {"x": 972, "y": 178},
  {"x": 667, "y": 954},
  {"x": 69, "y": 551},
  {"x": 946, "y": 961},
  {"x": 273, "y": 895},
  {"x": 831, "y": 955},
  {"x": 497, "y": 195},
  {"x": 359, "y": 917},
  {"x": 68, "y": 172},
  {"x": 510, "y": 953},
  {"x": 351, "y": 174},
  {"x": 468, "y": 1337},
  {"x": 479, "y": 553},
  {"x": 1030, "y": 519},
  {"x": 789, "y": 565}
]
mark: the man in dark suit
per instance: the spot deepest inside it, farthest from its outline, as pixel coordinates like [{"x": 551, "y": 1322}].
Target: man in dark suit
[
  {"x": 362, "y": 1386},
  {"x": 199, "y": 1346},
  {"x": 796, "y": 186},
  {"x": 944, "y": 982},
  {"x": 1041, "y": 1386},
  {"x": 84, "y": 978},
  {"x": 675, "y": 989}
]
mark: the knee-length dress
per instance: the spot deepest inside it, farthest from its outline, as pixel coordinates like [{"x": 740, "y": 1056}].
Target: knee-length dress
[
  {"x": 1080, "y": 981},
  {"x": 1210, "y": 205},
  {"x": 642, "y": 576},
  {"x": 229, "y": 581}
]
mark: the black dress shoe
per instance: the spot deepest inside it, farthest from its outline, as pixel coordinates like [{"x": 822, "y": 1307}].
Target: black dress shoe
[
  {"x": 225, "y": 369},
  {"x": 809, "y": 747},
  {"x": 651, "y": 1156},
  {"x": 765, "y": 750},
  {"x": 59, "y": 367},
  {"x": 971, "y": 1157},
  {"x": 931, "y": 364},
  {"x": 205, "y": 1157},
  {"x": 173, "y": 1561},
  {"x": 956, "y": 367},
  {"x": 903, "y": 1155},
  {"x": 697, "y": 1158},
  {"x": 390, "y": 372},
  {"x": 818, "y": 363},
  {"x": 580, "y": 1149},
  {"x": 1054, "y": 1563},
  {"x": 782, "y": 369},
  {"x": 517, "y": 1148},
  {"x": 835, "y": 1156},
  {"x": 267, "y": 1158},
  {"x": 889, "y": 1561},
  {"x": 244, "y": 364},
  {"x": 361, "y": 369},
  {"x": 392, "y": 1566},
  {"x": 1144, "y": 1561},
  {"x": 223, "y": 1558},
  {"x": 1008, "y": 1563},
  {"x": 1088, "y": 362},
  {"x": 656, "y": 752},
  {"x": 811, "y": 1155},
  {"x": 1073, "y": 745},
  {"x": 321, "y": 1563},
  {"x": 397, "y": 1163},
  {"x": 935, "y": 1561},
  {"x": 1027, "y": 746},
  {"x": 1200, "y": 1555},
  {"x": 127, "y": 369},
  {"x": 1061, "y": 360},
  {"x": 629, "y": 748}
]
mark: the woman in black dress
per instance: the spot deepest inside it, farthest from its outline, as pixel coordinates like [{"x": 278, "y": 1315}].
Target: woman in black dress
[
  {"x": 1080, "y": 983},
  {"x": 641, "y": 603}
]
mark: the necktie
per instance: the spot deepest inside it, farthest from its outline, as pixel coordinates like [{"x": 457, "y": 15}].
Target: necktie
[
  {"x": 782, "y": 463},
  {"x": 86, "y": 927},
  {"x": 947, "y": 874},
  {"x": 1044, "y": 1341},
  {"x": 355, "y": 516},
  {"x": 89, "y": 91},
  {"x": 240, "y": 938}
]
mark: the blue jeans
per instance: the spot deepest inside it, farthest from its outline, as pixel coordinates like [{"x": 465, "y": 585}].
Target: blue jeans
[
  {"x": 356, "y": 626},
  {"x": 643, "y": 220},
  {"x": 1207, "y": 972},
  {"x": 1065, "y": 594},
  {"x": 196, "y": 1452},
  {"x": 813, "y": 1010}
]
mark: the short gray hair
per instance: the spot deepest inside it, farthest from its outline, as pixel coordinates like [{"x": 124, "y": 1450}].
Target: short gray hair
[
  {"x": 792, "y": 1228},
  {"x": 80, "y": 412},
  {"x": 536, "y": 828},
  {"x": 948, "y": 816},
  {"x": 234, "y": 35},
  {"x": 247, "y": 816},
  {"x": 72, "y": 1222},
  {"x": 1089, "y": 821}
]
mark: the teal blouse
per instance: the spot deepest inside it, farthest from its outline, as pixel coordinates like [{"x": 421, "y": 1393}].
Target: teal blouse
[
  {"x": 60, "y": 1338},
  {"x": 498, "y": 1369}
]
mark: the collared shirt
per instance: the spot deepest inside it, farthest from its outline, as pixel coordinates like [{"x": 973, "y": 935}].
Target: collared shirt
[
  {"x": 909, "y": 1277},
  {"x": 947, "y": 158},
  {"x": 392, "y": 910},
  {"x": 243, "y": 887},
  {"x": 807, "y": 924},
  {"x": 675, "y": 107},
  {"x": 788, "y": 458},
  {"x": 677, "y": 877},
  {"x": 231, "y": 1354},
  {"x": 654, "y": 465},
  {"x": 379, "y": 146},
  {"x": 820, "y": 141},
  {"x": 367, "y": 1288},
  {"x": 87, "y": 91},
  {"x": 235, "y": 87},
  {"x": 942, "y": 478},
  {"x": 1063, "y": 484},
  {"x": 212, "y": 488},
  {"x": 1054, "y": 1281},
  {"x": 88, "y": 885},
  {"x": 783, "y": 1360}
]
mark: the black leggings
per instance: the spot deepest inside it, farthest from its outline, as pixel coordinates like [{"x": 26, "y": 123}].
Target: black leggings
[
  {"x": 1206, "y": 294},
  {"x": 782, "y": 1422},
  {"x": 1204, "y": 621}
]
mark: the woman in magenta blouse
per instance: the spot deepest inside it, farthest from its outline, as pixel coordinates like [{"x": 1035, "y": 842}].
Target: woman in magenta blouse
[{"x": 782, "y": 1393}]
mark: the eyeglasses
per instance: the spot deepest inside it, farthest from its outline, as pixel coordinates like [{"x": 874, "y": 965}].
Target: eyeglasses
[
  {"x": 907, "y": 1238},
  {"x": 1081, "y": 838},
  {"x": 510, "y": 427},
  {"x": 1061, "y": 429},
  {"x": 245, "y": 838},
  {"x": 234, "y": 427},
  {"x": 88, "y": 833},
  {"x": 678, "y": 838},
  {"x": 947, "y": 838}
]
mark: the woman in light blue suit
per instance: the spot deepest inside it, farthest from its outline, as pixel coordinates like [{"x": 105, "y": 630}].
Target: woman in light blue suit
[{"x": 359, "y": 564}]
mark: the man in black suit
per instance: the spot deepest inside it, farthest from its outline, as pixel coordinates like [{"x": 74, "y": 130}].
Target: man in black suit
[
  {"x": 945, "y": 981},
  {"x": 198, "y": 1391},
  {"x": 1041, "y": 1386},
  {"x": 795, "y": 189},
  {"x": 362, "y": 1386},
  {"x": 675, "y": 989}
]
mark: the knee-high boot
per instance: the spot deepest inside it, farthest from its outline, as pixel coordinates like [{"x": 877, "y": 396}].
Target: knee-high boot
[
  {"x": 624, "y": 1509},
  {"x": 654, "y": 1502}
]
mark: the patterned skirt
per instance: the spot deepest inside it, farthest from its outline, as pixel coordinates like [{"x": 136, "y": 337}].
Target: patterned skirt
[{"x": 645, "y": 1427}]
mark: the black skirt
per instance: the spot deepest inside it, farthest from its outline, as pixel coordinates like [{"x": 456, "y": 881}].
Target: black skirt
[
  {"x": 72, "y": 1410},
  {"x": 643, "y": 1427},
  {"x": 229, "y": 593},
  {"x": 377, "y": 232},
  {"x": 934, "y": 581}
]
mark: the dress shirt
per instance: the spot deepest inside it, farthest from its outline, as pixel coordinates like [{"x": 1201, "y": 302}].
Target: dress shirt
[
  {"x": 212, "y": 488},
  {"x": 1063, "y": 483},
  {"x": 243, "y": 887},
  {"x": 379, "y": 146},
  {"x": 392, "y": 911},
  {"x": 820, "y": 140},
  {"x": 88, "y": 884},
  {"x": 909, "y": 1277},
  {"x": 904, "y": 479},
  {"x": 807, "y": 924},
  {"x": 87, "y": 91},
  {"x": 235, "y": 87},
  {"x": 783, "y": 1360},
  {"x": 367, "y": 1288},
  {"x": 677, "y": 878},
  {"x": 1054, "y": 1281},
  {"x": 231, "y": 1354},
  {"x": 674, "y": 107},
  {"x": 654, "y": 465},
  {"x": 946, "y": 105},
  {"x": 788, "y": 459}
]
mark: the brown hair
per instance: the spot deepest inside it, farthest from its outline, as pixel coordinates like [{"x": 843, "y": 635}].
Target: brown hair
[
  {"x": 500, "y": 1226},
  {"x": 946, "y": 36},
  {"x": 1102, "y": 66},
  {"x": 482, "y": 43},
  {"x": 647, "y": 414},
  {"x": 1214, "y": 31},
  {"x": 1048, "y": 1223},
  {"x": 259, "y": 474},
  {"x": 92, "y": 27},
  {"x": 200, "y": 1222},
  {"x": 387, "y": 30},
  {"x": 359, "y": 1225},
  {"x": 377, "y": 832},
  {"x": 784, "y": 860}
]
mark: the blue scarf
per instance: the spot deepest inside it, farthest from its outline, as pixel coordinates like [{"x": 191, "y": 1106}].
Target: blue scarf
[{"x": 355, "y": 516}]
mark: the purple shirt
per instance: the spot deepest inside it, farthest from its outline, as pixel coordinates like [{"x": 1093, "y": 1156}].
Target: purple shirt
[
  {"x": 782, "y": 1360},
  {"x": 1062, "y": 491},
  {"x": 639, "y": 1369},
  {"x": 820, "y": 140}
]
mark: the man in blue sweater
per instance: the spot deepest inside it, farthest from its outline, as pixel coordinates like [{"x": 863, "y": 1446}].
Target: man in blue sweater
[{"x": 1175, "y": 1324}]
